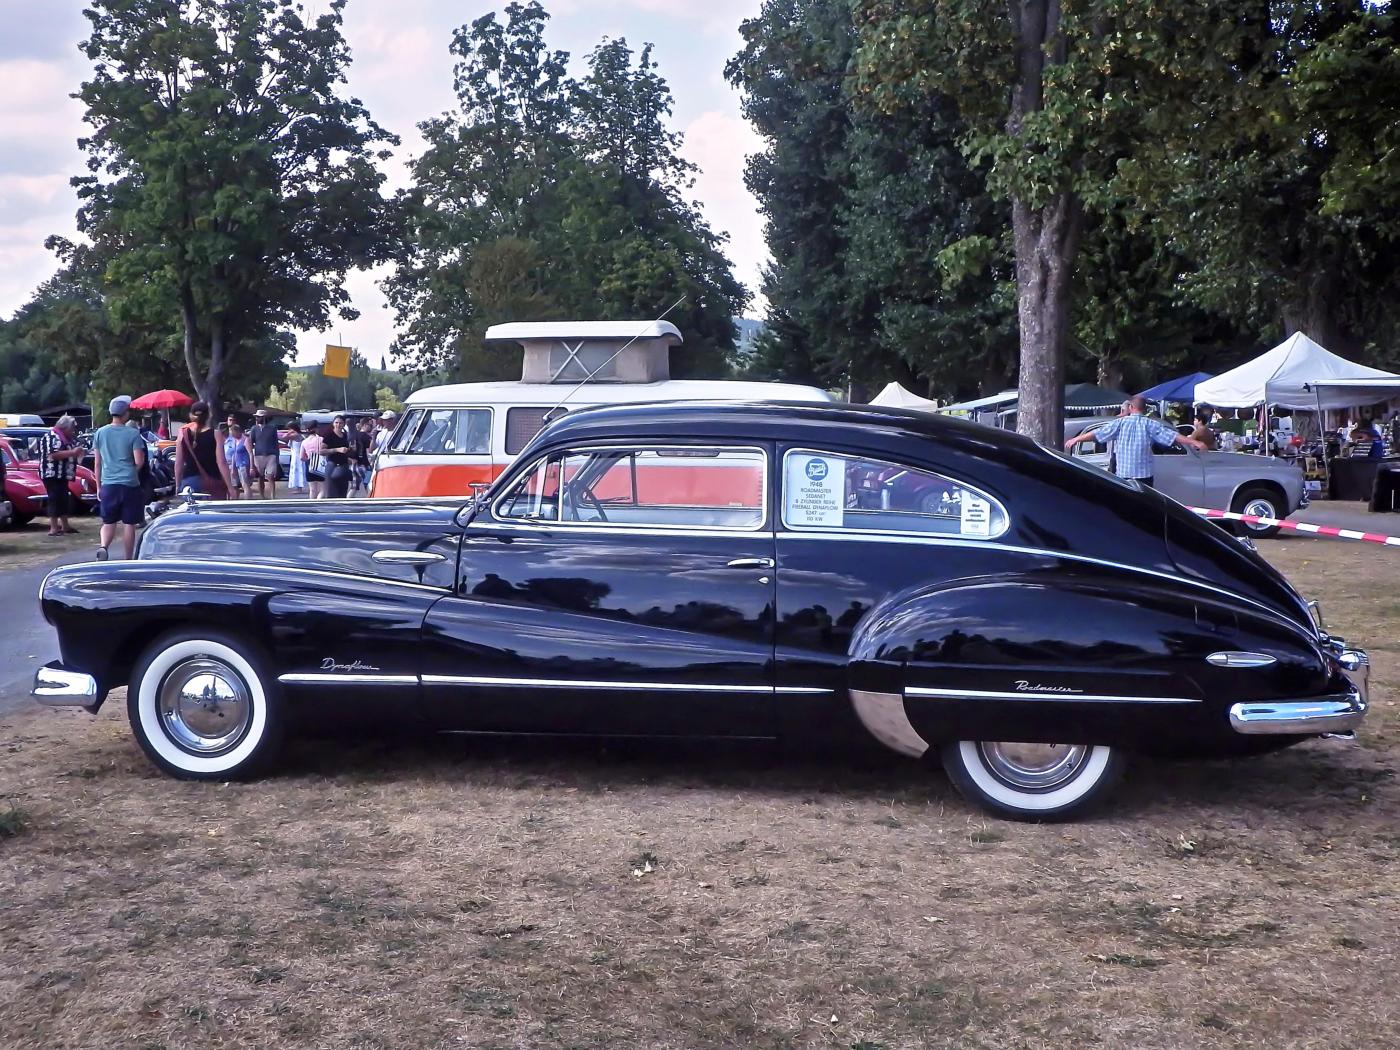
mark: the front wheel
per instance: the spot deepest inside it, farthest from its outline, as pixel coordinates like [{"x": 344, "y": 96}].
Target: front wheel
[
  {"x": 1259, "y": 502},
  {"x": 203, "y": 706},
  {"x": 1034, "y": 782}
]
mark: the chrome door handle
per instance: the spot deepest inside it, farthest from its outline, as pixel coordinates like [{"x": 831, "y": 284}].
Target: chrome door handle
[
  {"x": 751, "y": 563},
  {"x": 406, "y": 557}
]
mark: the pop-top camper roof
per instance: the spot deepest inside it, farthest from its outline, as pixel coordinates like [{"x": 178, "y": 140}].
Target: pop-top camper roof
[{"x": 572, "y": 351}]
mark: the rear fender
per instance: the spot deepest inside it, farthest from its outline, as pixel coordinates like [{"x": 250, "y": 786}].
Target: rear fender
[{"x": 1073, "y": 657}]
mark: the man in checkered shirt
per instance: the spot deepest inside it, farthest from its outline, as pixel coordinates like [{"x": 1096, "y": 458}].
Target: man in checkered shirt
[{"x": 1133, "y": 436}]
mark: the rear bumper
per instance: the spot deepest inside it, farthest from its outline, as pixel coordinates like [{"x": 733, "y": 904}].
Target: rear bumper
[
  {"x": 56, "y": 686},
  {"x": 1338, "y": 713}
]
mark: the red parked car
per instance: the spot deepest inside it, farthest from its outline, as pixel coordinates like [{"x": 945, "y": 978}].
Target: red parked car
[{"x": 25, "y": 490}]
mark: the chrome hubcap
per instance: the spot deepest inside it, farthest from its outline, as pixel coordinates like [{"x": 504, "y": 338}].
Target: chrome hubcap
[
  {"x": 1258, "y": 508},
  {"x": 1034, "y": 767},
  {"x": 204, "y": 705}
]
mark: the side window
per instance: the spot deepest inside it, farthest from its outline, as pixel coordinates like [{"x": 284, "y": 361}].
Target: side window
[
  {"x": 521, "y": 425},
  {"x": 828, "y": 491},
  {"x": 677, "y": 487},
  {"x": 453, "y": 431},
  {"x": 535, "y": 496},
  {"x": 407, "y": 428}
]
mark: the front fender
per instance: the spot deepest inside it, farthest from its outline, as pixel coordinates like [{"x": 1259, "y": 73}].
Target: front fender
[
  {"x": 307, "y": 622},
  {"x": 1077, "y": 656}
]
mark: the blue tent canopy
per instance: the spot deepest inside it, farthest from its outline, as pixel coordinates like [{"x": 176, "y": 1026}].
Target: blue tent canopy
[{"x": 1183, "y": 389}]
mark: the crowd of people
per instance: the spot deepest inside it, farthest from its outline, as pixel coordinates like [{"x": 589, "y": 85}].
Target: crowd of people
[
  {"x": 229, "y": 461},
  {"x": 223, "y": 461}
]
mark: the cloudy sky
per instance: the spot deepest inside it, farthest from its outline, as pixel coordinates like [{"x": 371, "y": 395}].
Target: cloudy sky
[{"x": 403, "y": 73}]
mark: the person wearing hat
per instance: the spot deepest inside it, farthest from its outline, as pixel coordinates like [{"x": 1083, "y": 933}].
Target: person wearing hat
[
  {"x": 59, "y": 452},
  {"x": 265, "y": 453},
  {"x": 385, "y": 428},
  {"x": 119, "y": 453}
]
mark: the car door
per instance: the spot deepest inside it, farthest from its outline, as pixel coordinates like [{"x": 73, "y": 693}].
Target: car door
[
  {"x": 615, "y": 590},
  {"x": 1179, "y": 472}
]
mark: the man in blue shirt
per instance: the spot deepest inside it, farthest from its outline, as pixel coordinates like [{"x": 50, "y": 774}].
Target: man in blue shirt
[
  {"x": 119, "y": 453},
  {"x": 1133, "y": 436},
  {"x": 265, "y": 453}
]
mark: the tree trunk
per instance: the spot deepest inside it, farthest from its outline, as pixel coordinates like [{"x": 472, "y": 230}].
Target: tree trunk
[
  {"x": 190, "y": 323},
  {"x": 212, "y": 386},
  {"x": 1313, "y": 313},
  {"x": 1045, "y": 240}
]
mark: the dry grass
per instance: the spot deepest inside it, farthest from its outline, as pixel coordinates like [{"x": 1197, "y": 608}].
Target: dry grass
[{"x": 455, "y": 893}]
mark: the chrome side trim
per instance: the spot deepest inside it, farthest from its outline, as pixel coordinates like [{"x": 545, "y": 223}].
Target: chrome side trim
[
  {"x": 348, "y": 679},
  {"x": 1239, "y": 659},
  {"x": 1323, "y": 714},
  {"x": 294, "y": 570},
  {"x": 983, "y": 694},
  {"x": 580, "y": 683},
  {"x": 883, "y": 714},
  {"x": 397, "y": 557},
  {"x": 55, "y": 687}
]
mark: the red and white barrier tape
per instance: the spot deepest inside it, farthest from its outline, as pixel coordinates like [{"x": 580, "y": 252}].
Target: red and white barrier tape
[{"x": 1298, "y": 526}]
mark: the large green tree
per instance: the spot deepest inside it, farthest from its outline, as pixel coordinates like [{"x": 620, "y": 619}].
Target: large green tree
[
  {"x": 545, "y": 196},
  {"x": 1286, "y": 204},
  {"x": 890, "y": 258},
  {"x": 233, "y": 183},
  {"x": 1054, "y": 95}
]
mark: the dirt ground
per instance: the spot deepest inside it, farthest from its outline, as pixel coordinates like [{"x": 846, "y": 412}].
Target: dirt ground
[
  {"x": 31, "y": 544},
  {"x": 515, "y": 894}
]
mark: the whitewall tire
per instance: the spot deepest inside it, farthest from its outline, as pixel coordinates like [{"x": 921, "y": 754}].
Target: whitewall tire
[
  {"x": 203, "y": 706},
  {"x": 1034, "y": 782}
]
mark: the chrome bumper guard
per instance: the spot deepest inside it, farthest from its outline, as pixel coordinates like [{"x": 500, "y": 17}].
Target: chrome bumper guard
[
  {"x": 1339, "y": 713},
  {"x": 56, "y": 687}
]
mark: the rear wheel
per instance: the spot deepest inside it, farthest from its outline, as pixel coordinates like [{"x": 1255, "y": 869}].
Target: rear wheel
[
  {"x": 203, "y": 706},
  {"x": 1034, "y": 782},
  {"x": 1258, "y": 502}
]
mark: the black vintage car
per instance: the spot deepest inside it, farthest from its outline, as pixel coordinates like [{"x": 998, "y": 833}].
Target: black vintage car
[{"x": 763, "y": 571}]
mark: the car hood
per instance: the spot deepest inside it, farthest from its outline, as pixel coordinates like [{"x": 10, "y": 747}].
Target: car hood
[{"x": 328, "y": 536}]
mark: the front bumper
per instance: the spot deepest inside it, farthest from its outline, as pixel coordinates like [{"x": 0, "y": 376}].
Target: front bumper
[
  {"x": 56, "y": 686},
  {"x": 1338, "y": 713}
]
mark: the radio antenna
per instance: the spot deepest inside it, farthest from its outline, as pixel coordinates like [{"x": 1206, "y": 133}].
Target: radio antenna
[{"x": 548, "y": 416}]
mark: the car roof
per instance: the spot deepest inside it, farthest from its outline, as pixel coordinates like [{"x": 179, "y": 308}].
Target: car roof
[{"x": 794, "y": 421}]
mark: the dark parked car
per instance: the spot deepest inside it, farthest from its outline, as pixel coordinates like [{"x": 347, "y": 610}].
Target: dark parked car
[{"x": 800, "y": 572}]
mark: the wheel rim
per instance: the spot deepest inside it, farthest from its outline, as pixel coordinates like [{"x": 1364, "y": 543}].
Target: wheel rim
[
  {"x": 1034, "y": 767},
  {"x": 1259, "y": 508},
  {"x": 204, "y": 705}
]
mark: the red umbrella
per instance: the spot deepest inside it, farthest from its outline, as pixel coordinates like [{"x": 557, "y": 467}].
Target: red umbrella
[{"x": 162, "y": 399}]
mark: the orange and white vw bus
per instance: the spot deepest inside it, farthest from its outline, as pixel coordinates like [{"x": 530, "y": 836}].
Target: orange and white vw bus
[{"x": 450, "y": 437}]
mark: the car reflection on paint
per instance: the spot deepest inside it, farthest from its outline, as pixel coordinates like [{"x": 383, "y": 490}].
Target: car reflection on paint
[{"x": 811, "y": 573}]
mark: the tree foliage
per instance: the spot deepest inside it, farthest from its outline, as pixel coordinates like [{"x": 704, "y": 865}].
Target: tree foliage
[
  {"x": 544, "y": 196},
  {"x": 1286, "y": 203},
  {"x": 232, "y": 185}
]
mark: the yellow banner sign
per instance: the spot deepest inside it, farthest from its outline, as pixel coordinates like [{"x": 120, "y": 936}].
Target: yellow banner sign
[{"x": 337, "y": 364}]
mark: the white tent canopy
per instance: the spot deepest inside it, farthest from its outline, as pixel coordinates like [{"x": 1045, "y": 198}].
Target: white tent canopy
[
  {"x": 1360, "y": 391},
  {"x": 1294, "y": 374},
  {"x": 993, "y": 402},
  {"x": 895, "y": 396}
]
